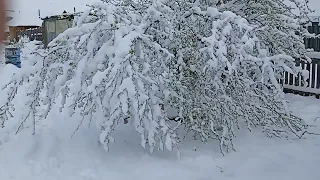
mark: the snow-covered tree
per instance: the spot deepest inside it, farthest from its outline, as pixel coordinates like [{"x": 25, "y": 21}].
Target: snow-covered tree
[
  {"x": 224, "y": 75},
  {"x": 110, "y": 65},
  {"x": 131, "y": 61},
  {"x": 280, "y": 25},
  {"x": 130, "y": 73}
]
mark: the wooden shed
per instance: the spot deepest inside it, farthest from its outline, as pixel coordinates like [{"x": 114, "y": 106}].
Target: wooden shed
[{"x": 52, "y": 26}]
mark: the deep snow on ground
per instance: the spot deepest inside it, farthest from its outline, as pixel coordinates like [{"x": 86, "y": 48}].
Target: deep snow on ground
[{"x": 52, "y": 154}]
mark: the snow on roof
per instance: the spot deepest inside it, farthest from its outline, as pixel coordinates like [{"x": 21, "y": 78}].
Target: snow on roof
[
  {"x": 25, "y": 19},
  {"x": 26, "y": 11},
  {"x": 60, "y": 16}
]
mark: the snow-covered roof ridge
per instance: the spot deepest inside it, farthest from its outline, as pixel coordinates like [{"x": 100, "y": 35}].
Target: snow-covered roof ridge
[
  {"x": 61, "y": 16},
  {"x": 27, "y": 13},
  {"x": 313, "y": 54}
]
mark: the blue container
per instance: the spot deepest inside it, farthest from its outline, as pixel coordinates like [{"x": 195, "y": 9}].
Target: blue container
[{"x": 12, "y": 56}]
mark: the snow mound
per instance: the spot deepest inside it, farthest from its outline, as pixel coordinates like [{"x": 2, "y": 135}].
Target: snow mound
[{"x": 55, "y": 154}]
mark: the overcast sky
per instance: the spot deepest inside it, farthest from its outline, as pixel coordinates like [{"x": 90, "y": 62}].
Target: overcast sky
[
  {"x": 315, "y": 4},
  {"x": 27, "y": 10}
]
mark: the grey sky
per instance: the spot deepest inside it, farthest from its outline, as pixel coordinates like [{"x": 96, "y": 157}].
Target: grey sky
[{"x": 315, "y": 5}]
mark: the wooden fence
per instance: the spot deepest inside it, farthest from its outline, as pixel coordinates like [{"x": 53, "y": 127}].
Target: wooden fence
[
  {"x": 295, "y": 83},
  {"x": 32, "y": 34},
  {"x": 313, "y": 43}
]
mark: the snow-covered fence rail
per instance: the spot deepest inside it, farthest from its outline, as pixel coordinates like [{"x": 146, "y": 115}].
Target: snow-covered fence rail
[{"x": 292, "y": 82}]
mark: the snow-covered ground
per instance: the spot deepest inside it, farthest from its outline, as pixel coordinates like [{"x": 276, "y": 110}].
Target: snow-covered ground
[{"x": 52, "y": 154}]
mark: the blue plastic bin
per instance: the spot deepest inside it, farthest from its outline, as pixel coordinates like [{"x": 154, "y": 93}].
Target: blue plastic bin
[{"x": 12, "y": 56}]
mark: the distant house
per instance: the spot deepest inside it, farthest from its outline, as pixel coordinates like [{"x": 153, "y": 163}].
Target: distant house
[
  {"x": 52, "y": 26},
  {"x": 18, "y": 24}
]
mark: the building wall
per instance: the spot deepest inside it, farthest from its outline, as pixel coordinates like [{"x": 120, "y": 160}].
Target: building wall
[{"x": 53, "y": 27}]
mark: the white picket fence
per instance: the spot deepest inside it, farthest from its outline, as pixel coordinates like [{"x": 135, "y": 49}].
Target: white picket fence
[{"x": 295, "y": 83}]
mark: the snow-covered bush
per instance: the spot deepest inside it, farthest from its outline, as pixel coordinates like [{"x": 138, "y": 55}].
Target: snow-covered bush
[
  {"x": 280, "y": 28},
  {"x": 226, "y": 76},
  {"x": 117, "y": 72},
  {"x": 110, "y": 66},
  {"x": 130, "y": 62}
]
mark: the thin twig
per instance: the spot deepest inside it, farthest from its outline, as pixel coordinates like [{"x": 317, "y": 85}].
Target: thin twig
[
  {"x": 78, "y": 127},
  {"x": 311, "y": 133},
  {"x": 25, "y": 119}
]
